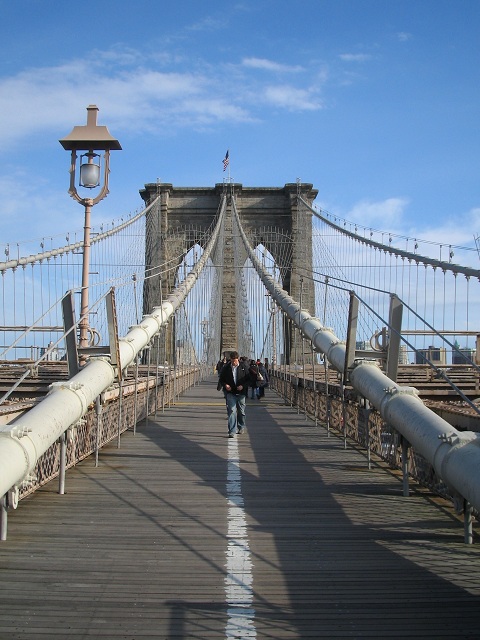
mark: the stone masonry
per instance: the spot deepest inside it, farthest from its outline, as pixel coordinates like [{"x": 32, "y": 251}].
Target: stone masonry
[{"x": 260, "y": 209}]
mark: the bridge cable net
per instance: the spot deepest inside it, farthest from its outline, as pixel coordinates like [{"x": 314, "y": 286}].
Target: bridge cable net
[
  {"x": 436, "y": 297},
  {"x": 35, "y": 434},
  {"x": 34, "y": 285},
  {"x": 441, "y": 298},
  {"x": 197, "y": 322},
  {"x": 454, "y": 455},
  {"x": 263, "y": 331}
]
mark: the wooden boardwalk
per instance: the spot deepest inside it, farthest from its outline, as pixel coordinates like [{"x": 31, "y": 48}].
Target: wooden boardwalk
[{"x": 173, "y": 537}]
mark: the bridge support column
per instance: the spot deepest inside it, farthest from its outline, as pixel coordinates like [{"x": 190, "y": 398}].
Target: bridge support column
[
  {"x": 229, "y": 331},
  {"x": 184, "y": 213}
]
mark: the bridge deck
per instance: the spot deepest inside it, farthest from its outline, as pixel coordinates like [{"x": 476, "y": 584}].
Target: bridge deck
[{"x": 141, "y": 547}]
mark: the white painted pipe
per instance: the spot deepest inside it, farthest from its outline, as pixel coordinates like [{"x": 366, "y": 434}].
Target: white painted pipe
[
  {"x": 454, "y": 455},
  {"x": 29, "y": 436}
]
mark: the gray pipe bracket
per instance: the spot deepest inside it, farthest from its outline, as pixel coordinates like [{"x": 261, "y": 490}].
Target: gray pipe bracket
[
  {"x": 459, "y": 439},
  {"x": 394, "y": 392},
  {"x": 71, "y": 386},
  {"x": 142, "y": 327},
  {"x": 12, "y": 497},
  {"x": 13, "y": 494},
  {"x": 159, "y": 319},
  {"x": 365, "y": 361},
  {"x": 401, "y": 391},
  {"x": 333, "y": 344},
  {"x": 19, "y": 432}
]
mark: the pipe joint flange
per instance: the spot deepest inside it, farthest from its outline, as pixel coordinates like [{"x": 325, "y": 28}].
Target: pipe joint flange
[
  {"x": 409, "y": 391},
  {"x": 19, "y": 432},
  {"x": 142, "y": 327},
  {"x": 71, "y": 386},
  {"x": 401, "y": 391},
  {"x": 365, "y": 362},
  {"x": 129, "y": 343},
  {"x": 390, "y": 390},
  {"x": 394, "y": 392},
  {"x": 12, "y": 497},
  {"x": 335, "y": 343},
  {"x": 318, "y": 331},
  {"x": 301, "y": 317},
  {"x": 103, "y": 356},
  {"x": 158, "y": 317},
  {"x": 459, "y": 439}
]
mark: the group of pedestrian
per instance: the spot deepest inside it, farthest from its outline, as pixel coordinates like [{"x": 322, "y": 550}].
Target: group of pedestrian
[
  {"x": 259, "y": 379},
  {"x": 235, "y": 377}
]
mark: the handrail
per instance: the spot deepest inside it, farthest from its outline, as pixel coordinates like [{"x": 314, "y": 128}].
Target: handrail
[{"x": 29, "y": 436}]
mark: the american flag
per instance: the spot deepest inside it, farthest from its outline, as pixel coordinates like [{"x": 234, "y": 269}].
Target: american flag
[{"x": 226, "y": 161}]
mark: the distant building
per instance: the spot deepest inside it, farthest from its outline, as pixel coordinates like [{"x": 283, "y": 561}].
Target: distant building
[
  {"x": 363, "y": 345},
  {"x": 435, "y": 355},
  {"x": 403, "y": 354},
  {"x": 53, "y": 355},
  {"x": 463, "y": 356}
]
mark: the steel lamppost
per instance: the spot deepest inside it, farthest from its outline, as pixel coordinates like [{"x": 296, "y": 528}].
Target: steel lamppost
[{"x": 89, "y": 138}]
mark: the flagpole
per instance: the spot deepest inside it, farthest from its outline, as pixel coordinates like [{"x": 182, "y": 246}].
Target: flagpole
[{"x": 226, "y": 163}]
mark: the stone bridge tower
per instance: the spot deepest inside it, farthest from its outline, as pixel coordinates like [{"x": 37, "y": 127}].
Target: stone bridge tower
[{"x": 186, "y": 208}]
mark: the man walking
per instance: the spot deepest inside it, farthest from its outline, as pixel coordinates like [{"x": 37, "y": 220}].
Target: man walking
[{"x": 235, "y": 379}]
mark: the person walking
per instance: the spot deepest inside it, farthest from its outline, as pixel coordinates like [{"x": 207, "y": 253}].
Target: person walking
[
  {"x": 235, "y": 380},
  {"x": 262, "y": 379},
  {"x": 220, "y": 364},
  {"x": 253, "y": 378}
]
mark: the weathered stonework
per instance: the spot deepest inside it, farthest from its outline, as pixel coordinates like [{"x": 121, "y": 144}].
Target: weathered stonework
[{"x": 260, "y": 209}]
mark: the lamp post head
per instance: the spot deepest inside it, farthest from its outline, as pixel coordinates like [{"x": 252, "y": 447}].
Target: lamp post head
[{"x": 90, "y": 136}]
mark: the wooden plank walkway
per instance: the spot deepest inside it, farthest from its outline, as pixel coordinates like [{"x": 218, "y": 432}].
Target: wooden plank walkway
[{"x": 173, "y": 537}]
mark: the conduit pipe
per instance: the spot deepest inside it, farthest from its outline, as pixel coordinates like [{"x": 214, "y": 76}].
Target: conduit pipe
[
  {"x": 454, "y": 455},
  {"x": 28, "y": 437}
]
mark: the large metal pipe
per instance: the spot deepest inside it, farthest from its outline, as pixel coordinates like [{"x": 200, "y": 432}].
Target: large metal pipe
[
  {"x": 454, "y": 455},
  {"x": 29, "y": 436}
]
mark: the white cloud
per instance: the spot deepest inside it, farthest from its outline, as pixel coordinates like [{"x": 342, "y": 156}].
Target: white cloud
[
  {"x": 21, "y": 223},
  {"x": 269, "y": 65},
  {"x": 403, "y": 36},
  {"x": 459, "y": 230},
  {"x": 57, "y": 92},
  {"x": 355, "y": 57},
  {"x": 137, "y": 96},
  {"x": 385, "y": 214},
  {"x": 208, "y": 24},
  {"x": 292, "y": 98}
]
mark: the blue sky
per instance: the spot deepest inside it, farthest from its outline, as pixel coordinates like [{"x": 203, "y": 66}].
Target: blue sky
[{"x": 375, "y": 102}]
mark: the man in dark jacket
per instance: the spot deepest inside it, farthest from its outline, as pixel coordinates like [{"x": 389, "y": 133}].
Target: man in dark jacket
[{"x": 235, "y": 379}]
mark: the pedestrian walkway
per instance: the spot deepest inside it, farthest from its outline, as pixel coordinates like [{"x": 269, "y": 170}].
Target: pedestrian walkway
[{"x": 278, "y": 533}]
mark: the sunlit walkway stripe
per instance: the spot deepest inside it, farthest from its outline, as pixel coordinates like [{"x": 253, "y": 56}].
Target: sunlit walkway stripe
[{"x": 239, "y": 579}]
